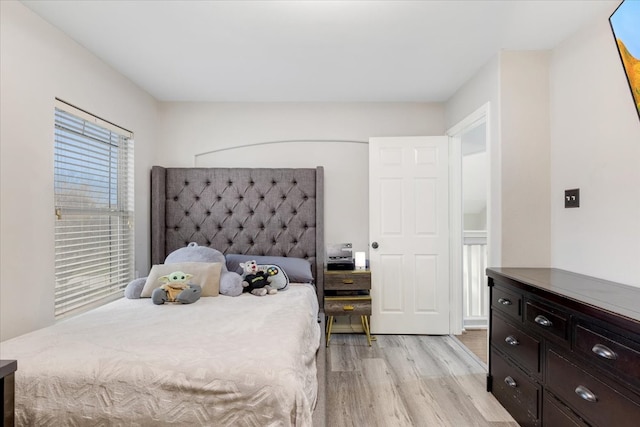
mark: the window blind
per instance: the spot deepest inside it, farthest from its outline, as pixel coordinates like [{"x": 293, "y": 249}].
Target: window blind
[{"x": 93, "y": 184}]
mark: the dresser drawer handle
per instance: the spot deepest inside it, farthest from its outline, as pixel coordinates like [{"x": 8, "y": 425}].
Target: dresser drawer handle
[
  {"x": 511, "y": 340},
  {"x": 586, "y": 394},
  {"x": 510, "y": 382},
  {"x": 347, "y": 281},
  {"x": 348, "y": 307},
  {"x": 543, "y": 321},
  {"x": 604, "y": 352},
  {"x": 504, "y": 301}
]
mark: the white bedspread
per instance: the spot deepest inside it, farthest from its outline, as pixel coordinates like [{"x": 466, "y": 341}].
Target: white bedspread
[{"x": 222, "y": 361}]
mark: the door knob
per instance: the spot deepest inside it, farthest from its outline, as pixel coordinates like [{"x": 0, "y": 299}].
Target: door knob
[{"x": 374, "y": 245}]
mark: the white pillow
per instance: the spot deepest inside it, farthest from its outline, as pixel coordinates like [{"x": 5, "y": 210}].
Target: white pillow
[{"x": 205, "y": 274}]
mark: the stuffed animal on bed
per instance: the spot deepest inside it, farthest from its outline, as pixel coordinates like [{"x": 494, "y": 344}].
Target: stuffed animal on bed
[
  {"x": 176, "y": 288},
  {"x": 256, "y": 281},
  {"x": 230, "y": 281}
]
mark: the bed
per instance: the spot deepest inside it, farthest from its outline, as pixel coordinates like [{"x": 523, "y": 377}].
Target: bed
[{"x": 236, "y": 361}]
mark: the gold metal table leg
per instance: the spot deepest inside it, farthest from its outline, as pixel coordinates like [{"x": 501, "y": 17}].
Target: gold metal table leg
[
  {"x": 329, "y": 325},
  {"x": 365, "y": 326}
]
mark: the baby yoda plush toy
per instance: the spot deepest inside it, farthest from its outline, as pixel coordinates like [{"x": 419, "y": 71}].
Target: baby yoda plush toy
[
  {"x": 255, "y": 280},
  {"x": 176, "y": 288}
]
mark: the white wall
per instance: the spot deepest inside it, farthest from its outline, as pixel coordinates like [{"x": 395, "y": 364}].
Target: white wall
[
  {"x": 524, "y": 136},
  {"x": 595, "y": 146},
  {"x": 37, "y": 64},
  {"x": 484, "y": 88},
  {"x": 587, "y": 136},
  {"x": 474, "y": 190},
  {"x": 188, "y": 129},
  {"x": 515, "y": 84}
]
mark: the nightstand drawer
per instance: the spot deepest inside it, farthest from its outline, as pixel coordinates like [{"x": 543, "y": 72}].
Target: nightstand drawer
[
  {"x": 347, "y": 280},
  {"x": 347, "y": 305}
]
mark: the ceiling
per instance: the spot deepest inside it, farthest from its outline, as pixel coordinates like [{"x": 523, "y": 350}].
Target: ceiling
[{"x": 311, "y": 51}]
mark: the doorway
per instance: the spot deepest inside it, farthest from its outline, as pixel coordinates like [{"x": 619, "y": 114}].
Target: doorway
[{"x": 470, "y": 178}]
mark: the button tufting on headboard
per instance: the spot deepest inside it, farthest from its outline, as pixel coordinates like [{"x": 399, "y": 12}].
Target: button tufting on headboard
[{"x": 276, "y": 212}]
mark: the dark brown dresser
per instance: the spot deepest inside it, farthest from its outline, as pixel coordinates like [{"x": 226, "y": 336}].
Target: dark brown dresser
[
  {"x": 564, "y": 348},
  {"x": 7, "y": 390}
]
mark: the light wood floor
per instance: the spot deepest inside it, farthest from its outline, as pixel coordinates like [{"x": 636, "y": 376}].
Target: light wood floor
[
  {"x": 407, "y": 380},
  {"x": 476, "y": 341}
]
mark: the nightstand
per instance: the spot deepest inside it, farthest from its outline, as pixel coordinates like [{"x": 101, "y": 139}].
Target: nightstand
[
  {"x": 7, "y": 387},
  {"x": 348, "y": 293}
]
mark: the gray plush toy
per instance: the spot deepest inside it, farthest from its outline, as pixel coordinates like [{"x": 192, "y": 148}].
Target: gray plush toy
[{"x": 230, "y": 282}]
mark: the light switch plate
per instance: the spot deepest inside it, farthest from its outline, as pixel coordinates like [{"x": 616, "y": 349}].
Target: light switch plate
[{"x": 572, "y": 198}]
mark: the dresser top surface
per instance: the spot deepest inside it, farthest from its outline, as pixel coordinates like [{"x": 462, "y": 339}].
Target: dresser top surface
[
  {"x": 7, "y": 367},
  {"x": 604, "y": 294}
]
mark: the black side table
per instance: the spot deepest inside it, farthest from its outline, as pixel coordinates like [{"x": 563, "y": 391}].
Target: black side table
[{"x": 7, "y": 391}]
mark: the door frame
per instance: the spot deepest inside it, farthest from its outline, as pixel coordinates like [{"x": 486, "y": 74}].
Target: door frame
[{"x": 479, "y": 116}]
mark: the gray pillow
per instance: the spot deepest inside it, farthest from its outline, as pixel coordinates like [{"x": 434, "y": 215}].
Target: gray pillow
[{"x": 298, "y": 269}]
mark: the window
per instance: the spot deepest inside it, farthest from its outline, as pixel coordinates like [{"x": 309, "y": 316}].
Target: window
[{"x": 93, "y": 167}]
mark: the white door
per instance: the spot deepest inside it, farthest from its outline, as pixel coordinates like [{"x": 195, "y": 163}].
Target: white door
[{"x": 409, "y": 235}]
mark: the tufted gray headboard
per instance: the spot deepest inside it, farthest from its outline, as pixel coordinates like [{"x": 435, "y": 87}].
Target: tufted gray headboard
[{"x": 278, "y": 212}]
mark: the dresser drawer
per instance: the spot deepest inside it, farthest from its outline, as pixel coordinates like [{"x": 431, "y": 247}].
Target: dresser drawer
[
  {"x": 506, "y": 302},
  {"x": 554, "y": 416},
  {"x": 516, "y": 344},
  {"x": 349, "y": 280},
  {"x": 342, "y": 306},
  {"x": 516, "y": 391},
  {"x": 547, "y": 320},
  {"x": 598, "y": 403},
  {"x": 607, "y": 351}
]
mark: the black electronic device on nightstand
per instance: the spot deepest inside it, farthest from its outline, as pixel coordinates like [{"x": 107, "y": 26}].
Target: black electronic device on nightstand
[{"x": 340, "y": 257}]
